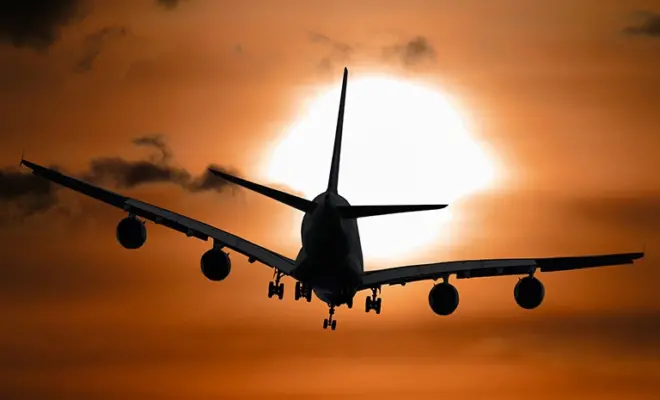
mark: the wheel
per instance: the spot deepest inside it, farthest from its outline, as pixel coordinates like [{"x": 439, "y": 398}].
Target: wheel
[
  {"x": 297, "y": 292},
  {"x": 280, "y": 291},
  {"x": 308, "y": 295},
  {"x": 325, "y": 323},
  {"x": 271, "y": 289},
  {"x": 367, "y": 304},
  {"x": 377, "y": 305},
  {"x": 349, "y": 304},
  {"x": 333, "y": 326}
]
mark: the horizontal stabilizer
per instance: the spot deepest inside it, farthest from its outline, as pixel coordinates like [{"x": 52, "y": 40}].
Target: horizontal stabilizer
[
  {"x": 290, "y": 200},
  {"x": 372, "y": 211}
]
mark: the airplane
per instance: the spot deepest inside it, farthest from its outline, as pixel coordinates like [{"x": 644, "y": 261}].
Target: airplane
[{"x": 329, "y": 263}]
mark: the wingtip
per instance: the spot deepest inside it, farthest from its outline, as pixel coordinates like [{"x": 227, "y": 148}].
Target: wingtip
[
  {"x": 214, "y": 171},
  {"x": 30, "y": 165}
]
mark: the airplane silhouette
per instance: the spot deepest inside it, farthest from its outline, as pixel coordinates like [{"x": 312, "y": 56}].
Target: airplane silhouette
[{"x": 329, "y": 263}]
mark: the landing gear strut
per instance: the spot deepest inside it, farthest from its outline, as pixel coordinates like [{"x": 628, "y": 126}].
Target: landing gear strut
[
  {"x": 373, "y": 302},
  {"x": 275, "y": 288},
  {"x": 303, "y": 291},
  {"x": 330, "y": 321}
]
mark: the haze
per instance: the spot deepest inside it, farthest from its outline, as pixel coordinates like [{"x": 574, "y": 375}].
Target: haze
[{"x": 563, "y": 95}]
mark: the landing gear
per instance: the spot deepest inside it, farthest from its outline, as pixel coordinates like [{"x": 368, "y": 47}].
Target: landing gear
[
  {"x": 373, "y": 302},
  {"x": 332, "y": 323},
  {"x": 275, "y": 288},
  {"x": 303, "y": 291}
]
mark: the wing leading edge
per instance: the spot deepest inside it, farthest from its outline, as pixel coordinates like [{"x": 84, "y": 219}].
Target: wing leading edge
[
  {"x": 486, "y": 268},
  {"x": 170, "y": 219}
]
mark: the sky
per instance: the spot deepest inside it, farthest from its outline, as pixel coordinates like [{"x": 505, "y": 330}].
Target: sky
[{"x": 141, "y": 96}]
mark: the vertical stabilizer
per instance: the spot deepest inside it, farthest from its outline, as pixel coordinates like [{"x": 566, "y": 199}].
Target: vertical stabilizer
[{"x": 336, "y": 151}]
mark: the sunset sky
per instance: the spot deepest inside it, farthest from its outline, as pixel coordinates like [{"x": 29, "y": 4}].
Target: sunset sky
[{"x": 561, "y": 96}]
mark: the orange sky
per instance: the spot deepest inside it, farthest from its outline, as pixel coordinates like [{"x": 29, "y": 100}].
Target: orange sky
[{"x": 561, "y": 92}]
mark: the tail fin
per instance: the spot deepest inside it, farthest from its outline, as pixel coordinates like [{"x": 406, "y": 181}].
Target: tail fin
[
  {"x": 290, "y": 200},
  {"x": 371, "y": 211},
  {"x": 336, "y": 151}
]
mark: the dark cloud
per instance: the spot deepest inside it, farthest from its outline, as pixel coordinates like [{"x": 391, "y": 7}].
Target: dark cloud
[
  {"x": 23, "y": 194},
  {"x": 159, "y": 168},
  {"x": 337, "y": 52},
  {"x": 649, "y": 26},
  {"x": 169, "y": 4},
  {"x": 94, "y": 44},
  {"x": 36, "y": 23},
  {"x": 412, "y": 52},
  {"x": 158, "y": 142},
  {"x": 339, "y": 47}
]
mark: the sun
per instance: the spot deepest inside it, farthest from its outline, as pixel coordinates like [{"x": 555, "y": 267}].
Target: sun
[{"x": 403, "y": 143}]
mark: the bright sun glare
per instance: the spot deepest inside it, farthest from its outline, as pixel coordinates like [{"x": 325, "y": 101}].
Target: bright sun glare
[{"x": 403, "y": 143}]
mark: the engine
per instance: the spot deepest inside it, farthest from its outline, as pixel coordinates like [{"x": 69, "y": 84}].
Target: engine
[
  {"x": 216, "y": 265},
  {"x": 529, "y": 292},
  {"x": 131, "y": 233},
  {"x": 443, "y": 299}
]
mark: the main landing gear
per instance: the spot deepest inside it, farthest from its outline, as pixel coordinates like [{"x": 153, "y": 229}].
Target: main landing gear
[
  {"x": 275, "y": 288},
  {"x": 303, "y": 291},
  {"x": 373, "y": 302},
  {"x": 332, "y": 323}
]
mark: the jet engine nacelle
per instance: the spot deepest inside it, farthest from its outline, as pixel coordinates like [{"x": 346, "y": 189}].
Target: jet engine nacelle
[
  {"x": 443, "y": 299},
  {"x": 529, "y": 292},
  {"x": 216, "y": 265},
  {"x": 131, "y": 233}
]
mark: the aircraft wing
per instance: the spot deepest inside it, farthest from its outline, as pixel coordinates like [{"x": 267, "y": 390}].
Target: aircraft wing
[
  {"x": 485, "y": 268},
  {"x": 161, "y": 216}
]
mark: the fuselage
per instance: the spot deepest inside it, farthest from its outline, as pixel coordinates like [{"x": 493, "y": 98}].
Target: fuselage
[{"x": 330, "y": 260}]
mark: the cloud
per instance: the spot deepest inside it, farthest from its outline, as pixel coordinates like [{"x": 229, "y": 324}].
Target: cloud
[
  {"x": 23, "y": 194},
  {"x": 336, "y": 51},
  {"x": 36, "y": 23},
  {"x": 169, "y": 4},
  {"x": 159, "y": 168},
  {"x": 94, "y": 44},
  {"x": 649, "y": 26},
  {"x": 411, "y": 52}
]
